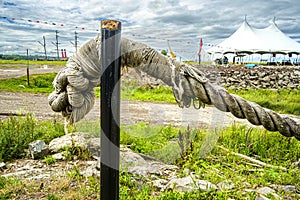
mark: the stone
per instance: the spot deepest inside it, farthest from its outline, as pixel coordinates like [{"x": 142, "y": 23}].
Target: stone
[
  {"x": 265, "y": 190},
  {"x": 287, "y": 188},
  {"x": 268, "y": 190},
  {"x": 84, "y": 140},
  {"x": 263, "y": 75},
  {"x": 159, "y": 183},
  {"x": 230, "y": 80},
  {"x": 98, "y": 166},
  {"x": 185, "y": 184},
  {"x": 59, "y": 156},
  {"x": 261, "y": 197},
  {"x": 38, "y": 149},
  {"x": 189, "y": 183},
  {"x": 130, "y": 161},
  {"x": 206, "y": 185},
  {"x": 39, "y": 177},
  {"x": 266, "y": 79},
  {"x": 297, "y": 73},
  {"x": 76, "y": 139},
  {"x": 91, "y": 169},
  {"x": 136, "y": 164},
  {"x": 2, "y": 166},
  {"x": 225, "y": 185},
  {"x": 93, "y": 145}
]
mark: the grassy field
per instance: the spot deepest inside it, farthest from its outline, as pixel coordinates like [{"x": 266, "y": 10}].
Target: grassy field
[
  {"x": 282, "y": 101},
  {"x": 38, "y": 83},
  {"x": 201, "y": 151},
  {"x": 210, "y": 154},
  {"x": 33, "y": 62}
]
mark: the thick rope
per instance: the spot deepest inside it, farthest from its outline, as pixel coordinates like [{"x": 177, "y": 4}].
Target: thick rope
[
  {"x": 241, "y": 108},
  {"x": 74, "y": 97}
]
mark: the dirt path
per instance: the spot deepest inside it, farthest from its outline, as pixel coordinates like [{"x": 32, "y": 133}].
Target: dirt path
[{"x": 131, "y": 111}]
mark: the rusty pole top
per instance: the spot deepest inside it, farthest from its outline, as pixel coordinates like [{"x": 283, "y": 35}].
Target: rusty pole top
[{"x": 110, "y": 24}]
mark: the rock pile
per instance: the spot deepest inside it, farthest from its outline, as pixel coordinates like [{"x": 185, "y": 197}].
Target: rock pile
[{"x": 266, "y": 77}]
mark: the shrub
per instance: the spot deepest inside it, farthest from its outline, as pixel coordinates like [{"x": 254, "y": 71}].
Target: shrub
[{"x": 17, "y": 132}]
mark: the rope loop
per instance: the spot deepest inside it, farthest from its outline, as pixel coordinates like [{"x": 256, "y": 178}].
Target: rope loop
[{"x": 200, "y": 103}]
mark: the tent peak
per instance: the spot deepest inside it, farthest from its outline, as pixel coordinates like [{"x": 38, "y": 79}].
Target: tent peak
[
  {"x": 245, "y": 19},
  {"x": 274, "y": 18}
]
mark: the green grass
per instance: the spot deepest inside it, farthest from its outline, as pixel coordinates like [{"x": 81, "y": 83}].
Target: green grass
[
  {"x": 270, "y": 147},
  {"x": 149, "y": 94},
  {"x": 37, "y": 83},
  {"x": 282, "y": 101},
  {"x": 196, "y": 149},
  {"x": 162, "y": 142},
  {"x": 34, "y": 62}
]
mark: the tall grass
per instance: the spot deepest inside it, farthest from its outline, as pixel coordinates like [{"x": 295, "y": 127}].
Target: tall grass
[
  {"x": 271, "y": 147},
  {"x": 17, "y": 132},
  {"x": 282, "y": 100},
  {"x": 150, "y": 94}
]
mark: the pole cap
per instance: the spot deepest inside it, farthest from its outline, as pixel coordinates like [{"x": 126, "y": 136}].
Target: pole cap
[{"x": 110, "y": 24}]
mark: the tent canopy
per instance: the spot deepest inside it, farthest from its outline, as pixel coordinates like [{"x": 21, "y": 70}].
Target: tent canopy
[{"x": 249, "y": 40}]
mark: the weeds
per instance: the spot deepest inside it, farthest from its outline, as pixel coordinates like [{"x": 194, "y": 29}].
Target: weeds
[
  {"x": 216, "y": 167},
  {"x": 17, "y": 132},
  {"x": 76, "y": 152},
  {"x": 49, "y": 160},
  {"x": 282, "y": 100},
  {"x": 185, "y": 143}
]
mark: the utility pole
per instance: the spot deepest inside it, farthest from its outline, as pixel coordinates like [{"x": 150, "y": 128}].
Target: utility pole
[
  {"x": 56, "y": 44},
  {"x": 76, "y": 42},
  {"x": 44, "y": 45}
]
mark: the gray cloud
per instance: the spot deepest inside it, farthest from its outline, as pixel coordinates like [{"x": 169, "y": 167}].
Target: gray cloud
[{"x": 152, "y": 22}]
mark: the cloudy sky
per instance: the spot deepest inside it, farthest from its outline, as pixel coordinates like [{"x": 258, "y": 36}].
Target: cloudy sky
[{"x": 181, "y": 22}]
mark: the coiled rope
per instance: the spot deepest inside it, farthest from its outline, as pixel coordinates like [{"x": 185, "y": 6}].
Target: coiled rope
[{"x": 74, "y": 96}]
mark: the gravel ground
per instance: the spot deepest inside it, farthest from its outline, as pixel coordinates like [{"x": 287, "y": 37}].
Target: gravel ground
[{"x": 131, "y": 111}]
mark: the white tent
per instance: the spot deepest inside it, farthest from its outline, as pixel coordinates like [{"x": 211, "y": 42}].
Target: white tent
[{"x": 251, "y": 40}]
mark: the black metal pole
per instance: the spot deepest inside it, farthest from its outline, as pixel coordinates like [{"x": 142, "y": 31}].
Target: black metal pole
[
  {"x": 28, "y": 82},
  {"x": 110, "y": 108},
  {"x": 45, "y": 47}
]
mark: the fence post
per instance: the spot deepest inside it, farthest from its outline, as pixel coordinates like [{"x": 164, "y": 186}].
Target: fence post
[
  {"x": 110, "y": 108},
  {"x": 27, "y": 70}
]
